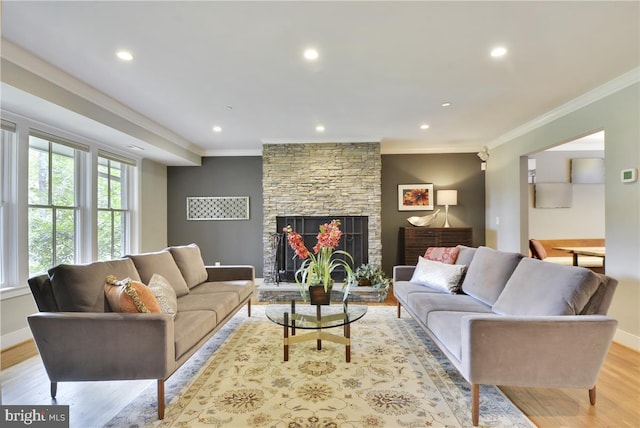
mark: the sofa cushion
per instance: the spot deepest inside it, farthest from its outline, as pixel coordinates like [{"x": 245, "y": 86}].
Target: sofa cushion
[
  {"x": 424, "y": 304},
  {"x": 465, "y": 255},
  {"x": 190, "y": 328},
  {"x": 130, "y": 296},
  {"x": 403, "y": 289},
  {"x": 447, "y": 327},
  {"x": 189, "y": 261},
  {"x": 222, "y": 303},
  {"x": 488, "y": 273},
  {"x": 164, "y": 293},
  {"x": 540, "y": 288},
  {"x": 243, "y": 288},
  {"x": 163, "y": 264},
  {"x": 442, "y": 254},
  {"x": 442, "y": 276},
  {"x": 80, "y": 288}
]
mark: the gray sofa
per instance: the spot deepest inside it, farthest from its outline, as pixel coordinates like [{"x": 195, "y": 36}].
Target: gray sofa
[
  {"x": 516, "y": 321},
  {"x": 80, "y": 339}
]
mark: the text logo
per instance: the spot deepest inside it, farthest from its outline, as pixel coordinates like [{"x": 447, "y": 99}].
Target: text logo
[{"x": 35, "y": 416}]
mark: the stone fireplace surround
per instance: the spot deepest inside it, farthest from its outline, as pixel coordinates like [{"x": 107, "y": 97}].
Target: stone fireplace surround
[{"x": 321, "y": 179}]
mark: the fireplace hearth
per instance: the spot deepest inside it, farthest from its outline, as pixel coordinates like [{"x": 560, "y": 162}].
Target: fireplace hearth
[{"x": 354, "y": 240}]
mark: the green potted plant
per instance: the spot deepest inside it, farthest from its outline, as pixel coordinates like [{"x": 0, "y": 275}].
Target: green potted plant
[{"x": 372, "y": 275}]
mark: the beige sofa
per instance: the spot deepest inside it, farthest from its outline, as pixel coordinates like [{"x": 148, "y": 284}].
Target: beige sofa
[
  {"x": 516, "y": 321},
  {"x": 80, "y": 338}
]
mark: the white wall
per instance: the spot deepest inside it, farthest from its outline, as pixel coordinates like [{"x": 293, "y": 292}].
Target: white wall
[
  {"x": 507, "y": 193},
  {"x": 587, "y": 206},
  {"x": 153, "y": 206}
]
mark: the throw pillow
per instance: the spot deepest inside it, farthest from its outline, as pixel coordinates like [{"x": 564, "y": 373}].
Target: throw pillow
[
  {"x": 488, "y": 273},
  {"x": 163, "y": 264},
  {"x": 165, "y": 294},
  {"x": 442, "y": 276},
  {"x": 543, "y": 288},
  {"x": 130, "y": 296},
  {"x": 189, "y": 261},
  {"x": 447, "y": 255}
]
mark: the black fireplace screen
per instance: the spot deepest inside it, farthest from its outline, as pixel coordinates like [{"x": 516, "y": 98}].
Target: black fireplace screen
[{"x": 354, "y": 240}]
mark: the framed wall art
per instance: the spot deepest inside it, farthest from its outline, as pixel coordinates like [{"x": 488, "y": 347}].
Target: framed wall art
[
  {"x": 415, "y": 197},
  {"x": 218, "y": 208}
]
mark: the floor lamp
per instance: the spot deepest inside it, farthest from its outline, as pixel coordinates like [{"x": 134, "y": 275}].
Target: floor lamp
[{"x": 446, "y": 198}]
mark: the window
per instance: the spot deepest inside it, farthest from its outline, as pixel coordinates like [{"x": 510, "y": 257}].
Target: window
[
  {"x": 113, "y": 214},
  {"x": 53, "y": 172},
  {"x": 7, "y": 139},
  {"x": 61, "y": 201}
]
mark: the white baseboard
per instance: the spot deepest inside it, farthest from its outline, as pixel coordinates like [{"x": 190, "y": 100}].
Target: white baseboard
[
  {"x": 627, "y": 339},
  {"x": 14, "y": 338}
]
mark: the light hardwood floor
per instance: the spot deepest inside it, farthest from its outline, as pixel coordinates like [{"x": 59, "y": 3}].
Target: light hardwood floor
[{"x": 95, "y": 403}]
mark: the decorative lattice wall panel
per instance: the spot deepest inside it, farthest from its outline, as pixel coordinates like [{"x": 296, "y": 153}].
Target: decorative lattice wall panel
[{"x": 218, "y": 208}]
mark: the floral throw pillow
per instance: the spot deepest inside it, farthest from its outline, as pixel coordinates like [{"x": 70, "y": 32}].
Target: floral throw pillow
[
  {"x": 447, "y": 255},
  {"x": 165, "y": 294},
  {"x": 130, "y": 296}
]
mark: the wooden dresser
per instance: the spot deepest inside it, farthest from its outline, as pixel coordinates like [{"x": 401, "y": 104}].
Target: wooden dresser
[{"x": 413, "y": 241}]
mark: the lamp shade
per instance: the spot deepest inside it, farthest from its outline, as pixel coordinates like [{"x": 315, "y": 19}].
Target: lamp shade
[{"x": 447, "y": 197}]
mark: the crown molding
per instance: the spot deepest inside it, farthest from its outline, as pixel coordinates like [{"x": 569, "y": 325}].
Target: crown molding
[{"x": 627, "y": 79}]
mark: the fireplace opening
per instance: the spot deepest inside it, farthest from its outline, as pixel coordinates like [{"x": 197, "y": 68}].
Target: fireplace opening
[{"x": 354, "y": 240}]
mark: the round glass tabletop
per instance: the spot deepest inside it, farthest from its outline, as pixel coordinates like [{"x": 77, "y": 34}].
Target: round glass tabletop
[{"x": 293, "y": 311}]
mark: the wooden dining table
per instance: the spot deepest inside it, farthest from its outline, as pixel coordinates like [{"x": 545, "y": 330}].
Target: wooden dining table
[{"x": 584, "y": 251}]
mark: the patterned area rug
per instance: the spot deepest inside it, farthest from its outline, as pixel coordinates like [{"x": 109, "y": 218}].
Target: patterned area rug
[{"x": 396, "y": 378}]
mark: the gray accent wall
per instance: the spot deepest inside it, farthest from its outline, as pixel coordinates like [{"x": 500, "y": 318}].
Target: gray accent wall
[
  {"x": 241, "y": 242},
  {"x": 224, "y": 241},
  {"x": 455, "y": 171}
]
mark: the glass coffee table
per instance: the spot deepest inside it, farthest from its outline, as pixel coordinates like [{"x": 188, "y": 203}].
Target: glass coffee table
[{"x": 294, "y": 313}]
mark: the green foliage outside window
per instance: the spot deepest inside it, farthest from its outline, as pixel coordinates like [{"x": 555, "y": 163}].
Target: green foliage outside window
[
  {"x": 112, "y": 215},
  {"x": 52, "y": 204}
]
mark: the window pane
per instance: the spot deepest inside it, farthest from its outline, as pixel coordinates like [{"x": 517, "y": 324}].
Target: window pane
[
  {"x": 40, "y": 240},
  {"x": 103, "y": 183},
  {"x": 116, "y": 185},
  {"x": 65, "y": 236},
  {"x": 104, "y": 235},
  {"x": 118, "y": 234},
  {"x": 38, "y": 171},
  {"x": 63, "y": 176}
]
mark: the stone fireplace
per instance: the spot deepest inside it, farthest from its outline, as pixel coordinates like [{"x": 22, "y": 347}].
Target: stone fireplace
[{"x": 325, "y": 180}]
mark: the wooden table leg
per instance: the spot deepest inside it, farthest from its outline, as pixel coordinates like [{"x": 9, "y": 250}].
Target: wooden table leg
[
  {"x": 318, "y": 318},
  {"x": 286, "y": 337}
]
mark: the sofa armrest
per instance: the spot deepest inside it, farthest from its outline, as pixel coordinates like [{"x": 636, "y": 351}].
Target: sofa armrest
[
  {"x": 402, "y": 273},
  {"x": 83, "y": 346},
  {"x": 545, "y": 351},
  {"x": 230, "y": 273}
]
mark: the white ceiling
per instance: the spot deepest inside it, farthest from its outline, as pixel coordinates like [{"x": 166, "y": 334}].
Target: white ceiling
[{"x": 384, "y": 68}]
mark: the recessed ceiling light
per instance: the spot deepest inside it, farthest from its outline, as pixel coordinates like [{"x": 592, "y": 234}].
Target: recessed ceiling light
[
  {"x": 124, "y": 55},
  {"x": 134, "y": 147},
  {"x": 311, "y": 54},
  {"x": 424, "y": 126},
  {"x": 319, "y": 128},
  {"x": 217, "y": 129},
  {"x": 446, "y": 104},
  {"x": 498, "y": 52}
]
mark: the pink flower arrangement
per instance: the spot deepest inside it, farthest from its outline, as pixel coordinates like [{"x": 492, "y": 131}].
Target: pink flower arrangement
[{"x": 317, "y": 267}]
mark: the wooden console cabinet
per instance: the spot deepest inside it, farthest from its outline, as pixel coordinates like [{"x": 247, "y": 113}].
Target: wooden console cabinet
[{"x": 413, "y": 241}]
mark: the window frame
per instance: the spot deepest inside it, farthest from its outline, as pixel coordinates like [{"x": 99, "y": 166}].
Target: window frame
[{"x": 15, "y": 209}]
